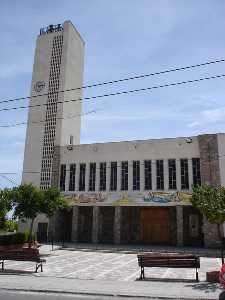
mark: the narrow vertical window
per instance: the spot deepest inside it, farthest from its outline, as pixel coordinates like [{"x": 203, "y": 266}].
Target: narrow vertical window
[
  {"x": 148, "y": 174},
  {"x": 124, "y": 175},
  {"x": 71, "y": 140},
  {"x": 184, "y": 174},
  {"x": 92, "y": 177},
  {"x": 102, "y": 186},
  {"x": 196, "y": 171},
  {"x": 62, "y": 177},
  {"x": 82, "y": 177},
  {"x": 136, "y": 175},
  {"x": 172, "y": 174},
  {"x": 72, "y": 177},
  {"x": 113, "y": 176},
  {"x": 159, "y": 175}
]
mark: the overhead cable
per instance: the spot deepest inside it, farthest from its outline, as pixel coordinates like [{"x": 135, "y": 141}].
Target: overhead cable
[
  {"x": 117, "y": 80},
  {"x": 118, "y": 93},
  {"x": 43, "y": 121}
]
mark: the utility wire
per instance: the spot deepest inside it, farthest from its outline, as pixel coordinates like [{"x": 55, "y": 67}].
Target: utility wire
[
  {"x": 118, "y": 93},
  {"x": 9, "y": 179},
  {"x": 2, "y": 173},
  {"x": 43, "y": 121},
  {"x": 118, "y": 80}
]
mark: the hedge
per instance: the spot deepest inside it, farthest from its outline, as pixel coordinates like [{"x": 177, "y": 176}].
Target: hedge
[{"x": 13, "y": 239}]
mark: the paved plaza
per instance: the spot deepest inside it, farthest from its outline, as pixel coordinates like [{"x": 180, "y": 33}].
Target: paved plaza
[{"x": 100, "y": 265}]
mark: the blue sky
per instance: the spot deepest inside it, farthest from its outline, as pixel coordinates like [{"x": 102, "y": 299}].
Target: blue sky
[{"x": 123, "y": 38}]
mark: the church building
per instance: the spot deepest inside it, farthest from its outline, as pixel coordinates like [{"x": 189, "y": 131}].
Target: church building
[{"x": 131, "y": 192}]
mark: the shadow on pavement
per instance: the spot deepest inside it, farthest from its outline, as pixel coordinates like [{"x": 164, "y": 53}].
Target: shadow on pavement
[
  {"x": 15, "y": 272},
  {"x": 166, "y": 279},
  {"x": 206, "y": 287}
]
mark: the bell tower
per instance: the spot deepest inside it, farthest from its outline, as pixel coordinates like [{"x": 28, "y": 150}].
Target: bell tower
[{"x": 52, "y": 120}]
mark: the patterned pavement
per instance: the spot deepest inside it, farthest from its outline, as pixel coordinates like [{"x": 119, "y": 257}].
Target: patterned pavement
[{"x": 106, "y": 266}]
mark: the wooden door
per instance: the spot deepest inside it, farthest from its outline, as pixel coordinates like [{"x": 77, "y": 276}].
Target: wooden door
[{"x": 155, "y": 225}]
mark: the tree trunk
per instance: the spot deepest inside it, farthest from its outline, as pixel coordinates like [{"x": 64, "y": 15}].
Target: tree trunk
[
  {"x": 30, "y": 232},
  {"x": 221, "y": 240},
  {"x": 2, "y": 223}
]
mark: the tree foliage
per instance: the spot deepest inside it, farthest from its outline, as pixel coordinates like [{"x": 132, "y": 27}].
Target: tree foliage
[
  {"x": 211, "y": 202},
  {"x": 27, "y": 200},
  {"x": 5, "y": 206},
  {"x": 52, "y": 201},
  {"x": 30, "y": 201}
]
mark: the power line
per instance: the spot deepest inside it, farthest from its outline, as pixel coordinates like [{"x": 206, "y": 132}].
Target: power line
[
  {"x": 9, "y": 179},
  {"x": 118, "y": 93},
  {"x": 118, "y": 80},
  {"x": 43, "y": 121},
  {"x": 2, "y": 173}
]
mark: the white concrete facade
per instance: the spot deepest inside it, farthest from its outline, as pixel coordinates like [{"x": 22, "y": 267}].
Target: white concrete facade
[
  {"x": 162, "y": 149},
  {"x": 58, "y": 66}
]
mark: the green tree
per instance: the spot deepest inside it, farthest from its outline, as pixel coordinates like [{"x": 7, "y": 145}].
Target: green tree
[
  {"x": 52, "y": 201},
  {"x": 30, "y": 201},
  {"x": 210, "y": 201},
  {"x": 5, "y": 206}
]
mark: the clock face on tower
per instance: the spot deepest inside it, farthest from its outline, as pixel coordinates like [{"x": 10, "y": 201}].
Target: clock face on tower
[{"x": 39, "y": 86}]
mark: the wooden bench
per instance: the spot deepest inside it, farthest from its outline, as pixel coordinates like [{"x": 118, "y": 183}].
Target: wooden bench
[
  {"x": 22, "y": 255},
  {"x": 169, "y": 260}
]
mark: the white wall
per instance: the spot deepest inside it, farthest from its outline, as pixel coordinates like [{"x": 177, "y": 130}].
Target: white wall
[
  {"x": 35, "y": 132},
  {"x": 71, "y": 77},
  {"x": 135, "y": 150}
]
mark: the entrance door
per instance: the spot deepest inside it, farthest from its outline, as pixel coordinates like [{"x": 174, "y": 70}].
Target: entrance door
[
  {"x": 42, "y": 233},
  {"x": 155, "y": 225}
]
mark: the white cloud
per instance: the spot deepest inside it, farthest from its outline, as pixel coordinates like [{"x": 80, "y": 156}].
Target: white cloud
[
  {"x": 193, "y": 124},
  {"x": 209, "y": 116},
  {"x": 214, "y": 115}
]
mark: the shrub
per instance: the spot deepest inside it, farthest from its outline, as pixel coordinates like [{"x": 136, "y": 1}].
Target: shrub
[
  {"x": 19, "y": 238},
  {"x": 11, "y": 226},
  {"x": 12, "y": 239},
  {"x": 27, "y": 233}
]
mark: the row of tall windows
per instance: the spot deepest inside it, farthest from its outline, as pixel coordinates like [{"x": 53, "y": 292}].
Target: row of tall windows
[{"x": 113, "y": 180}]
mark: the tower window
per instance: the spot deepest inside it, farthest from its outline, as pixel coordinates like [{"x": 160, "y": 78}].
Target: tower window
[
  {"x": 72, "y": 177},
  {"x": 62, "y": 177},
  {"x": 148, "y": 174},
  {"x": 124, "y": 176},
  {"x": 92, "y": 177},
  {"x": 184, "y": 174},
  {"x": 102, "y": 186},
  {"x": 82, "y": 177},
  {"x": 136, "y": 175},
  {"x": 159, "y": 175},
  {"x": 172, "y": 174},
  {"x": 196, "y": 171},
  {"x": 71, "y": 140},
  {"x": 113, "y": 176}
]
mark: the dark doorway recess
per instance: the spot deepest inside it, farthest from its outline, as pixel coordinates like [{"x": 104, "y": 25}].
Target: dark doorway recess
[
  {"x": 85, "y": 220},
  {"x": 67, "y": 225},
  {"x": 106, "y": 224},
  {"x": 42, "y": 232},
  {"x": 130, "y": 225},
  {"x": 192, "y": 227}
]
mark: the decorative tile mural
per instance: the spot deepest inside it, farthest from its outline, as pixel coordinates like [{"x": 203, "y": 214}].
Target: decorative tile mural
[{"x": 130, "y": 198}]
